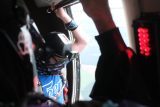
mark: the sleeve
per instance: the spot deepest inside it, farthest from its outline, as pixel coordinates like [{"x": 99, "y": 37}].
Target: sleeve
[
  {"x": 112, "y": 66},
  {"x": 111, "y": 42},
  {"x": 118, "y": 74}
]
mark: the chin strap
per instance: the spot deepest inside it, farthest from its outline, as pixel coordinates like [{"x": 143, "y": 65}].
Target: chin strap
[{"x": 54, "y": 69}]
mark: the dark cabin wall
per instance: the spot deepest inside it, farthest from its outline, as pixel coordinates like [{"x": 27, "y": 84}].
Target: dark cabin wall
[
  {"x": 133, "y": 10},
  {"x": 44, "y": 21},
  {"x": 150, "y": 5}
]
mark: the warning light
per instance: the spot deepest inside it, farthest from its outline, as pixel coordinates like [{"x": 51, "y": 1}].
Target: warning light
[{"x": 144, "y": 41}]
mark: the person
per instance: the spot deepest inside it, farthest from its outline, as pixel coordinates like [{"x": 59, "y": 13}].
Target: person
[
  {"x": 57, "y": 52},
  {"x": 119, "y": 77}
]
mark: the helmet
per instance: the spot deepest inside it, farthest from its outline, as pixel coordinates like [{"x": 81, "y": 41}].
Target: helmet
[{"x": 56, "y": 44}]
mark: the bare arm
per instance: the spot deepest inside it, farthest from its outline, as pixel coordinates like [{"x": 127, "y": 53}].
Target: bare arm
[
  {"x": 80, "y": 37},
  {"x": 99, "y": 11}
]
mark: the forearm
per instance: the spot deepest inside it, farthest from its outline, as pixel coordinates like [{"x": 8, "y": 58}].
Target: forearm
[
  {"x": 103, "y": 20},
  {"x": 104, "y": 25},
  {"x": 62, "y": 14},
  {"x": 100, "y": 13},
  {"x": 80, "y": 40},
  {"x": 66, "y": 19}
]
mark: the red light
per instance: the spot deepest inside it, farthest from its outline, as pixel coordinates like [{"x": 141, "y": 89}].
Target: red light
[
  {"x": 142, "y": 30},
  {"x": 147, "y": 54},
  {"x": 33, "y": 46},
  {"x": 146, "y": 35},
  {"x": 129, "y": 53},
  {"x": 147, "y": 49},
  {"x": 143, "y": 37},
  {"x": 139, "y": 29},
  {"x": 142, "y": 52}
]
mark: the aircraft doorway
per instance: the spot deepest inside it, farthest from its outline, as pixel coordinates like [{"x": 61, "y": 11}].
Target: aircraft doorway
[{"x": 89, "y": 57}]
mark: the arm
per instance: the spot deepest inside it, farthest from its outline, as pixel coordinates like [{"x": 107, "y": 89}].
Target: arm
[
  {"x": 80, "y": 37},
  {"x": 113, "y": 62},
  {"x": 99, "y": 11}
]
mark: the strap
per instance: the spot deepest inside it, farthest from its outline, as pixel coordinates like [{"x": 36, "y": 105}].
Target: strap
[
  {"x": 10, "y": 41},
  {"x": 72, "y": 25}
]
